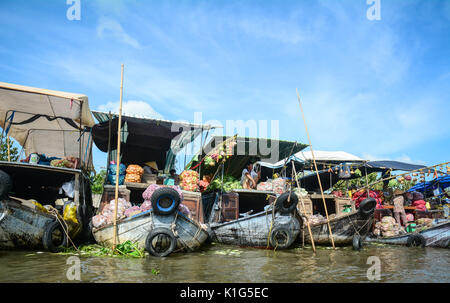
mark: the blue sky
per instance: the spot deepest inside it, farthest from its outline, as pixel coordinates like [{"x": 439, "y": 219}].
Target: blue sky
[{"x": 377, "y": 89}]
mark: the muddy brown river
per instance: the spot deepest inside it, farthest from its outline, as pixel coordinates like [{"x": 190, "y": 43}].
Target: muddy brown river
[{"x": 220, "y": 263}]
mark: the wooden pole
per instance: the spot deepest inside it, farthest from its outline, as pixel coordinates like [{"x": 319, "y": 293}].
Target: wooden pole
[
  {"x": 317, "y": 171},
  {"x": 116, "y": 196},
  {"x": 9, "y": 149},
  {"x": 303, "y": 205}
]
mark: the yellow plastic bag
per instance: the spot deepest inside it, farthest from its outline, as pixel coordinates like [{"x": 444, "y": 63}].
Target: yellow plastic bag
[
  {"x": 70, "y": 213},
  {"x": 39, "y": 206}
]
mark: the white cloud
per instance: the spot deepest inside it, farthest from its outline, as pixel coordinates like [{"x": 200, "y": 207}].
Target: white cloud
[
  {"x": 132, "y": 108},
  {"x": 108, "y": 27}
]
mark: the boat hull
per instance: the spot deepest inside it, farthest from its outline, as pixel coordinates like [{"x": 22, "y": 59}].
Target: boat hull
[
  {"x": 190, "y": 235},
  {"x": 436, "y": 236},
  {"x": 343, "y": 228},
  {"x": 21, "y": 226},
  {"x": 253, "y": 231}
]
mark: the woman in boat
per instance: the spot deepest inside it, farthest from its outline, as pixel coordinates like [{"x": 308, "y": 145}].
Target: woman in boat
[
  {"x": 249, "y": 177},
  {"x": 399, "y": 210}
]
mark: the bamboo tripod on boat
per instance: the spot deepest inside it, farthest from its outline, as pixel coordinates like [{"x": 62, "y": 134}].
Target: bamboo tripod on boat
[
  {"x": 116, "y": 195},
  {"x": 317, "y": 172}
]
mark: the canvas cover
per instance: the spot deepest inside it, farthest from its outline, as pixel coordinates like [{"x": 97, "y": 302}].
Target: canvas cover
[
  {"x": 327, "y": 157},
  {"x": 255, "y": 150},
  {"x": 45, "y": 121},
  {"x": 146, "y": 139}
]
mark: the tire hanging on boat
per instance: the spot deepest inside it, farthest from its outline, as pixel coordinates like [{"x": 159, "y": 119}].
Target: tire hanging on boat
[
  {"x": 283, "y": 206},
  {"x": 357, "y": 242},
  {"x": 6, "y": 184},
  {"x": 367, "y": 208},
  {"x": 160, "y": 242},
  {"x": 416, "y": 240},
  {"x": 48, "y": 240},
  {"x": 281, "y": 237},
  {"x": 165, "y": 201}
]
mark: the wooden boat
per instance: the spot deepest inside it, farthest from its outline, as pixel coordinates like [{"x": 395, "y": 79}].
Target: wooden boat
[
  {"x": 344, "y": 227},
  {"x": 435, "y": 236},
  {"x": 53, "y": 124},
  {"x": 274, "y": 228},
  {"x": 23, "y": 226},
  {"x": 161, "y": 235}
]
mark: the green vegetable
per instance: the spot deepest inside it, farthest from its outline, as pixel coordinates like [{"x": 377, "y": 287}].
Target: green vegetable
[{"x": 229, "y": 183}]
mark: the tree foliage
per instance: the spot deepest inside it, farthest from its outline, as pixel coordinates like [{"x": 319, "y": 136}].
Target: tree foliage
[
  {"x": 14, "y": 151},
  {"x": 97, "y": 181}
]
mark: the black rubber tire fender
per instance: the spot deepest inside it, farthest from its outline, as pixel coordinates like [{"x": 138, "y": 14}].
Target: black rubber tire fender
[
  {"x": 47, "y": 239},
  {"x": 367, "y": 208},
  {"x": 6, "y": 184},
  {"x": 165, "y": 194},
  {"x": 416, "y": 240},
  {"x": 281, "y": 230},
  {"x": 283, "y": 206},
  {"x": 357, "y": 242},
  {"x": 155, "y": 232}
]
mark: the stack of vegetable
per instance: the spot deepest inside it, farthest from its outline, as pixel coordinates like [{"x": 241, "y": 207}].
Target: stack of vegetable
[
  {"x": 189, "y": 180},
  {"x": 203, "y": 184},
  {"x": 229, "y": 183},
  {"x": 388, "y": 227},
  {"x": 134, "y": 173}
]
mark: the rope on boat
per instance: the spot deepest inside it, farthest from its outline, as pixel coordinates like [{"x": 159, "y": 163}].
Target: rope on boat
[
  {"x": 64, "y": 226},
  {"x": 173, "y": 226},
  {"x": 356, "y": 230},
  {"x": 271, "y": 224}
]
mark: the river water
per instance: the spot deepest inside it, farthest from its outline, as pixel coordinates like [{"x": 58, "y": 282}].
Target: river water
[{"x": 221, "y": 263}]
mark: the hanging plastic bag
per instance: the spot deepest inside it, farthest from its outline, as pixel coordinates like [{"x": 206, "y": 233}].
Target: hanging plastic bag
[
  {"x": 70, "y": 213},
  {"x": 39, "y": 206}
]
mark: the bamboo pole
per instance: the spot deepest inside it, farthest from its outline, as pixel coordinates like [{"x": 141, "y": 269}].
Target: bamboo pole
[
  {"x": 303, "y": 205},
  {"x": 317, "y": 171},
  {"x": 9, "y": 149},
  {"x": 116, "y": 196}
]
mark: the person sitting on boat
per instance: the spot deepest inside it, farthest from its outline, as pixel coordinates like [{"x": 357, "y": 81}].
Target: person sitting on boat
[
  {"x": 399, "y": 210},
  {"x": 172, "y": 179},
  {"x": 249, "y": 177}
]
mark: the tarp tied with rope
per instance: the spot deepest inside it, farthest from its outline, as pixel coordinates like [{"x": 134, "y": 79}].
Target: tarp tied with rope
[
  {"x": 45, "y": 121},
  {"x": 146, "y": 139},
  {"x": 329, "y": 179},
  {"x": 250, "y": 150},
  {"x": 441, "y": 184}
]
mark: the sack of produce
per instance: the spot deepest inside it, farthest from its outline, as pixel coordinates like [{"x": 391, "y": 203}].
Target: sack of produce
[
  {"x": 134, "y": 173},
  {"x": 147, "y": 194},
  {"x": 409, "y": 217},
  {"x": 146, "y": 205},
  {"x": 99, "y": 220},
  {"x": 135, "y": 169},
  {"x": 203, "y": 185},
  {"x": 265, "y": 186},
  {"x": 377, "y": 232},
  {"x": 189, "y": 180},
  {"x": 112, "y": 179},
  {"x": 113, "y": 168},
  {"x": 134, "y": 210},
  {"x": 184, "y": 209},
  {"x": 70, "y": 212},
  {"x": 133, "y": 178}
]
